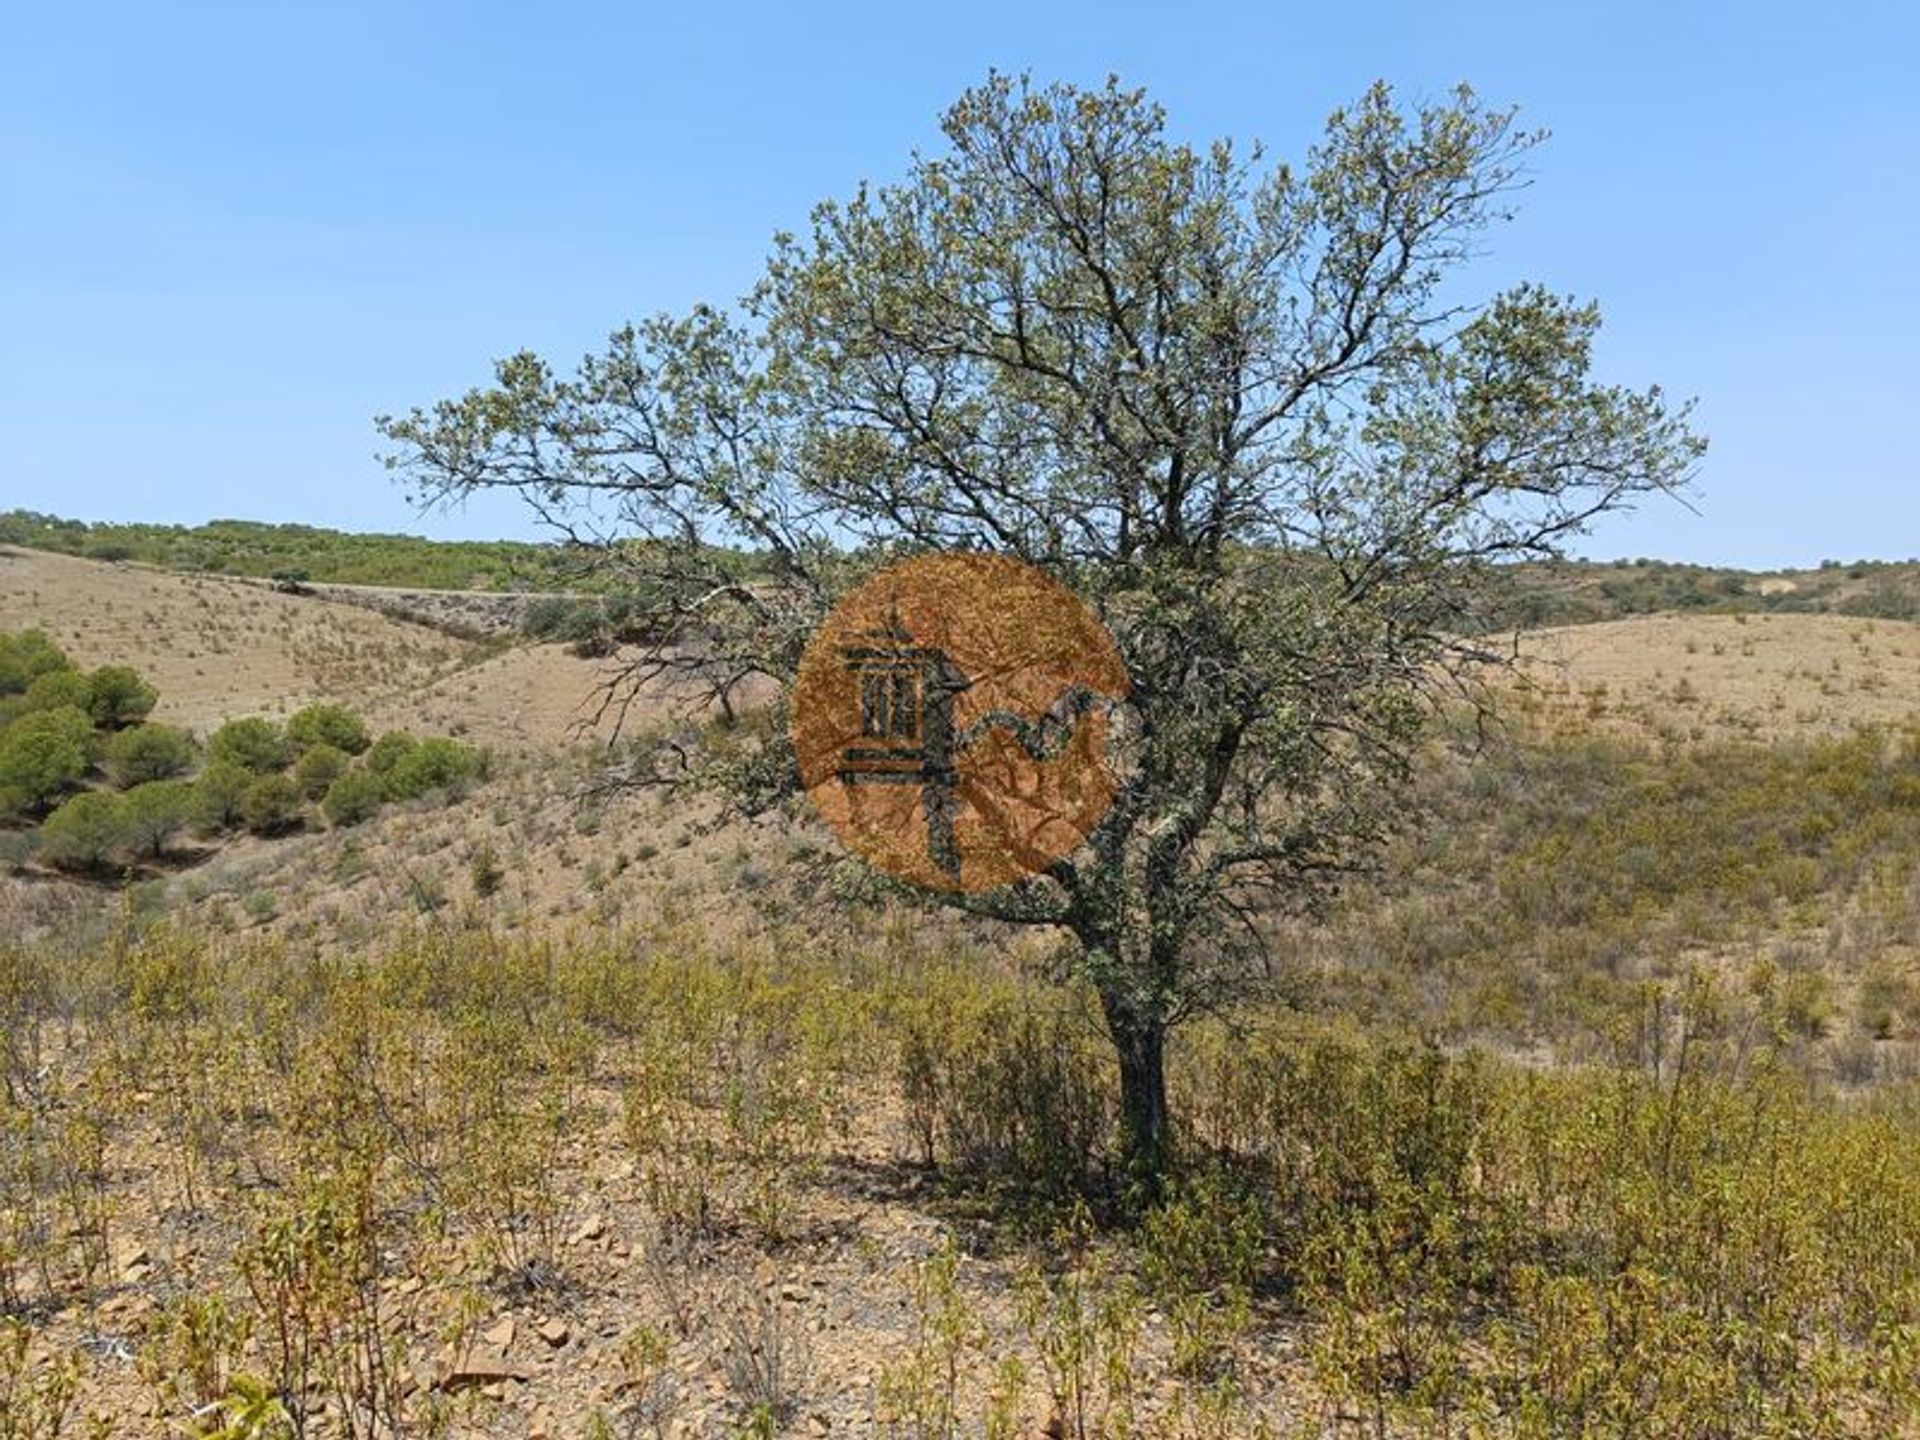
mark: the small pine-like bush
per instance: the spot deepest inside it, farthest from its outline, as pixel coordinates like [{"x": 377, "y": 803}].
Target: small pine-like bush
[
  {"x": 85, "y": 832},
  {"x": 333, "y": 725},
  {"x": 218, "y": 793},
  {"x": 353, "y": 797},
  {"x": 118, "y": 697},
  {"x": 147, "y": 752},
  {"x": 153, "y": 813},
  {"x": 25, "y": 655},
  {"x": 318, "y": 768},
  {"x": 271, "y": 805},
  {"x": 432, "y": 764},
  {"x": 388, "y": 751},
  {"x": 253, "y": 743},
  {"x": 58, "y": 688},
  {"x": 42, "y": 756}
]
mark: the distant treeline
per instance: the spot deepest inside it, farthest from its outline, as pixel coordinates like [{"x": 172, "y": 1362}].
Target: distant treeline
[
  {"x": 1575, "y": 592},
  {"x": 305, "y": 553},
  {"x": 1570, "y": 592}
]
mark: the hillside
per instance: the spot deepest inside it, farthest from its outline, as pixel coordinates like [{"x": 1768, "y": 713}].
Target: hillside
[
  {"x": 1766, "y": 676},
  {"x": 628, "y": 1092},
  {"x": 485, "y": 584},
  {"x": 218, "y": 647},
  {"x": 1574, "y": 592},
  {"x": 310, "y": 552}
]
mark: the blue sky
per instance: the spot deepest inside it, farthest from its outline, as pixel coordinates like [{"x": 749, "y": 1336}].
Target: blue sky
[{"x": 229, "y": 236}]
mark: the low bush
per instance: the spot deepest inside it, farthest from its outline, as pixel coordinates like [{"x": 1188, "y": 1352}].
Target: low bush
[
  {"x": 271, "y": 805},
  {"x": 253, "y": 743},
  {"x": 318, "y": 768},
  {"x": 353, "y": 797},
  {"x": 1450, "y": 1243},
  {"x": 325, "y": 724},
  {"x": 147, "y": 752},
  {"x": 85, "y": 832}
]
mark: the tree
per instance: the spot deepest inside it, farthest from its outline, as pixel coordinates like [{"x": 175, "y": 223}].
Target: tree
[
  {"x": 333, "y": 725},
  {"x": 319, "y": 768},
  {"x": 253, "y": 743},
  {"x": 271, "y": 805},
  {"x": 84, "y": 832},
  {"x": 118, "y": 697},
  {"x": 153, "y": 813},
  {"x": 430, "y": 764},
  {"x": 147, "y": 752},
  {"x": 26, "y": 655},
  {"x": 43, "y": 755},
  {"x": 1240, "y": 409},
  {"x": 56, "y": 689},
  {"x": 219, "y": 793},
  {"x": 353, "y": 797},
  {"x": 388, "y": 751}
]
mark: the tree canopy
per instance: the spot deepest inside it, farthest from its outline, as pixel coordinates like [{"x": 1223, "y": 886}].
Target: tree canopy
[
  {"x": 42, "y": 755},
  {"x": 1242, "y": 408}
]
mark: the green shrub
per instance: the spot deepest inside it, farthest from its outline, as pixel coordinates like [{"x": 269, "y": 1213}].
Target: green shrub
[
  {"x": 318, "y": 768},
  {"x": 219, "y": 793},
  {"x": 333, "y": 725},
  {"x": 353, "y": 797},
  {"x": 26, "y": 655},
  {"x": 254, "y": 743},
  {"x": 58, "y": 689},
  {"x": 117, "y": 697},
  {"x": 84, "y": 832},
  {"x": 42, "y": 756},
  {"x": 388, "y": 751},
  {"x": 592, "y": 626},
  {"x": 1009, "y": 1092},
  {"x": 432, "y": 764},
  {"x": 147, "y": 752},
  {"x": 271, "y": 805},
  {"x": 153, "y": 813}
]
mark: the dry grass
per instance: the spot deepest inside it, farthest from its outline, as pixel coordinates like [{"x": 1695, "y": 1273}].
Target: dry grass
[
  {"x": 218, "y": 647},
  {"x": 1729, "y": 677},
  {"x": 836, "y": 1046}
]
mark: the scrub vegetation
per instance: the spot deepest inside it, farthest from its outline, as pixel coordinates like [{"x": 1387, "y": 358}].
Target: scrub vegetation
[{"x": 89, "y": 786}]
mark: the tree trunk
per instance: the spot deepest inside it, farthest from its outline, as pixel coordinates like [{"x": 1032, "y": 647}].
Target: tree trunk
[{"x": 1141, "y": 1043}]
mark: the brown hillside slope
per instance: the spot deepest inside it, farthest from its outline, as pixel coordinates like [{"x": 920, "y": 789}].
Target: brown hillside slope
[
  {"x": 217, "y": 647},
  {"x": 1729, "y": 677}
]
